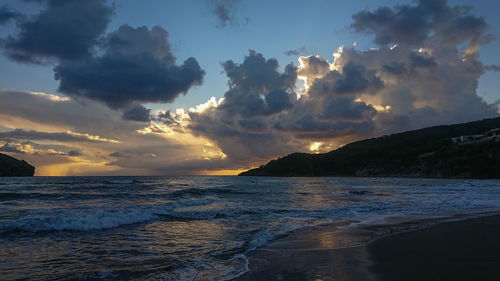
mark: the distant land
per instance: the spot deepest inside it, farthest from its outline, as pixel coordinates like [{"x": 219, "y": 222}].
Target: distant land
[
  {"x": 468, "y": 150},
  {"x": 12, "y": 167}
]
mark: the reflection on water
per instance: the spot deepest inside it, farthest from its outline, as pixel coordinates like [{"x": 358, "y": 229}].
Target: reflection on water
[{"x": 196, "y": 228}]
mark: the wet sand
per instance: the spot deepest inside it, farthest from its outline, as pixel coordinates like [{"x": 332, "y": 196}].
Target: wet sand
[{"x": 451, "y": 251}]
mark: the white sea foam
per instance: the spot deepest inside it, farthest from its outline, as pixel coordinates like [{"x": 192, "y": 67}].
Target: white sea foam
[{"x": 209, "y": 270}]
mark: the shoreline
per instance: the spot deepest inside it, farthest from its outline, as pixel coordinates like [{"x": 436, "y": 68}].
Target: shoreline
[{"x": 385, "y": 251}]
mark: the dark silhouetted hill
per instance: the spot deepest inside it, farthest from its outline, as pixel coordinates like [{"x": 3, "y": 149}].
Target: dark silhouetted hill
[
  {"x": 468, "y": 150},
  {"x": 11, "y": 167}
]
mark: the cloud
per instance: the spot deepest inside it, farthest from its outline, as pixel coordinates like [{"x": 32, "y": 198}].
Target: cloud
[
  {"x": 312, "y": 67},
  {"x": 32, "y": 148},
  {"x": 13, "y": 149},
  {"x": 74, "y": 153},
  {"x": 61, "y": 125},
  {"x": 412, "y": 25},
  {"x": 7, "y": 15},
  {"x": 260, "y": 116},
  {"x": 419, "y": 76},
  {"x": 395, "y": 68},
  {"x": 224, "y": 11},
  {"x": 492, "y": 67},
  {"x": 62, "y": 30},
  {"x": 121, "y": 68},
  {"x": 347, "y": 110},
  {"x": 20, "y": 134},
  {"x": 116, "y": 154},
  {"x": 354, "y": 78},
  {"x": 404, "y": 24},
  {"x": 296, "y": 52},
  {"x": 49, "y": 113},
  {"x": 138, "y": 113},
  {"x": 427, "y": 22},
  {"x": 136, "y": 66},
  {"x": 256, "y": 87}
]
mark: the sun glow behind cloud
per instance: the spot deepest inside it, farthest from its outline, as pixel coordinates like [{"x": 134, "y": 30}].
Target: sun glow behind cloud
[
  {"x": 81, "y": 167},
  {"x": 222, "y": 172},
  {"x": 207, "y": 150},
  {"x": 314, "y": 147}
]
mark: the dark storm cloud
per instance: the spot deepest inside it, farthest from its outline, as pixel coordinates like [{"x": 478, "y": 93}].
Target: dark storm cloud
[
  {"x": 413, "y": 24},
  {"x": 257, "y": 87},
  {"x": 347, "y": 110},
  {"x": 20, "y": 134},
  {"x": 395, "y": 68},
  {"x": 255, "y": 125},
  {"x": 278, "y": 101},
  {"x": 224, "y": 11},
  {"x": 239, "y": 124},
  {"x": 258, "y": 74},
  {"x": 260, "y": 115},
  {"x": 329, "y": 109},
  {"x": 138, "y": 113},
  {"x": 404, "y": 24},
  {"x": 464, "y": 27},
  {"x": 7, "y": 14},
  {"x": 8, "y": 148},
  {"x": 417, "y": 60},
  {"x": 137, "y": 66},
  {"x": 127, "y": 66},
  {"x": 62, "y": 30},
  {"x": 355, "y": 78}
]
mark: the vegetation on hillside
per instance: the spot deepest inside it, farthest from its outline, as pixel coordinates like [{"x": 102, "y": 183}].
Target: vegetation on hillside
[{"x": 428, "y": 152}]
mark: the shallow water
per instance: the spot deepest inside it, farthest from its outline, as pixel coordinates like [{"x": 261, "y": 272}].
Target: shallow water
[{"x": 194, "y": 228}]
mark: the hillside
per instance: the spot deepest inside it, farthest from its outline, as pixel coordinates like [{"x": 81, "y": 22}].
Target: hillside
[
  {"x": 11, "y": 167},
  {"x": 430, "y": 152}
]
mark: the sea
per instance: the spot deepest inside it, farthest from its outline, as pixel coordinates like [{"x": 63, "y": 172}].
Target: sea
[{"x": 197, "y": 227}]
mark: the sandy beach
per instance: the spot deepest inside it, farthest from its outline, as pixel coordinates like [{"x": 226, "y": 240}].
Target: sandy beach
[{"x": 451, "y": 251}]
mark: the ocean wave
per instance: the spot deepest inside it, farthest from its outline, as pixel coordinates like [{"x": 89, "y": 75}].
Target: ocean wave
[
  {"x": 6, "y": 196},
  {"x": 121, "y": 181},
  {"x": 209, "y": 270},
  {"x": 205, "y": 191},
  {"x": 97, "y": 218}
]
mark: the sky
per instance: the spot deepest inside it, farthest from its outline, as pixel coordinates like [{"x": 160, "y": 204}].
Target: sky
[{"x": 219, "y": 86}]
